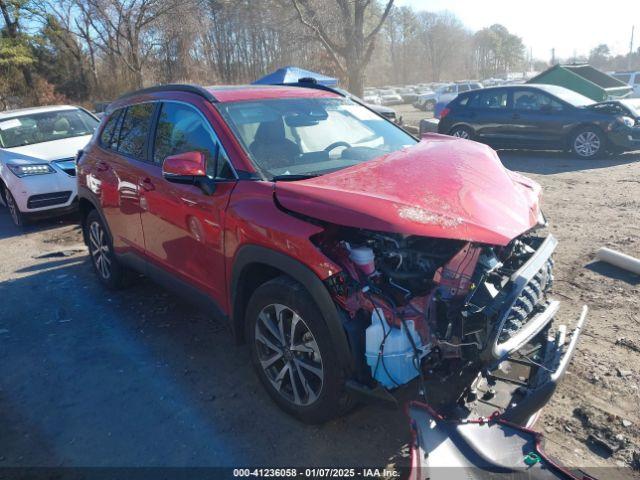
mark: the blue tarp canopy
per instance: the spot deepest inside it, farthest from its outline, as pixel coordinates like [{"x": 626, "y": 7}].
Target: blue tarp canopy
[{"x": 292, "y": 75}]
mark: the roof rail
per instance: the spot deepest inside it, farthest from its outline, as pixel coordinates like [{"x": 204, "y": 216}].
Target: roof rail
[
  {"x": 310, "y": 82},
  {"x": 173, "y": 87}
]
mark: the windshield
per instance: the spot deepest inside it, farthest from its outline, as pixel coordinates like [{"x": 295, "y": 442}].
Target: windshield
[
  {"x": 632, "y": 104},
  {"x": 45, "y": 127},
  {"x": 311, "y": 136}
]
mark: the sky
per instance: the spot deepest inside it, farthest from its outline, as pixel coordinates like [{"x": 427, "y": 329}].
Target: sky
[{"x": 569, "y": 26}]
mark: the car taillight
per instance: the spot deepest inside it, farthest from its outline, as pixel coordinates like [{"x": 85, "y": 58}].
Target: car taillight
[{"x": 445, "y": 111}]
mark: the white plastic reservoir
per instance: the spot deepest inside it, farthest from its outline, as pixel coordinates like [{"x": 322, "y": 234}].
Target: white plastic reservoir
[{"x": 398, "y": 355}]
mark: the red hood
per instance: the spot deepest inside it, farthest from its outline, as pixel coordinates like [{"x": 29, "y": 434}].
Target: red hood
[{"x": 441, "y": 187}]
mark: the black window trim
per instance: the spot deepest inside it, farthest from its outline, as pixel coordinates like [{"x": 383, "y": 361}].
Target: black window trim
[{"x": 154, "y": 126}]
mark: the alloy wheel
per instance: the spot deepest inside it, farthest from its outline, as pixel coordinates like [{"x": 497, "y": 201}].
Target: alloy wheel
[
  {"x": 13, "y": 208},
  {"x": 99, "y": 248},
  {"x": 460, "y": 133},
  {"x": 587, "y": 144},
  {"x": 289, "y": 354}
]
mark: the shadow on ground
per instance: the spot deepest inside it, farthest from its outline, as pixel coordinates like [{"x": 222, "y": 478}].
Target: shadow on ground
[
  {"x": 41, "y": 224},
  {"x": 614, "y": 272},
  {"x": 90, "y": 377},
  {"x": 548, "y": 163}
]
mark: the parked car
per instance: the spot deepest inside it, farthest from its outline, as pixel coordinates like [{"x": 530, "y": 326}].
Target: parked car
[
  {"x": 390, "y": 97},
  {"x": 37, "y": 158},
  {"x": 372, "y": 99},
  {"x": 408, "y": 95},
  {"x": 388, "y": 113},
  {"x": 445, "y": 94},
  {"x": 350, "y": 257},
  {"x": 541, "y": 117},
  {"x": 630, "y": 78}
]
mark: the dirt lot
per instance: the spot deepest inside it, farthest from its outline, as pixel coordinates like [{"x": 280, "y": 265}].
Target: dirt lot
[{"x": 140, "y": 378}]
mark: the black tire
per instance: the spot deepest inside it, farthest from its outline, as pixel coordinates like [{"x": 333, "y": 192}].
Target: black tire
[
  {"x": 461, "y": 131},
  {"x": 320, "y": 397},
  {"x": 429, "y": 105},
  {"x": 111, "y": 273},
  {"x": 17, "y": 216},
  {"x": 588, "y": 143}
]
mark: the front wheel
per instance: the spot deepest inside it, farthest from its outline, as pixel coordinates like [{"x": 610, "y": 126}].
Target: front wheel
[
  {"x": 588, "y": 143},
  {"x": 292, "y": 352},
  {"x": 16, "y": 215}
]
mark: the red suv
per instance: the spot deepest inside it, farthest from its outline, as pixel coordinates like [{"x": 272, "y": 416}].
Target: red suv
[{"x": 351, "y": 257}]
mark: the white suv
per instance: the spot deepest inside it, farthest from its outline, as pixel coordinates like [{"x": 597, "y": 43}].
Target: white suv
[
  {"x": 428, "y": 101},
  {"x": 630, "y": 78},
  {"x": 38, "y": 147}
]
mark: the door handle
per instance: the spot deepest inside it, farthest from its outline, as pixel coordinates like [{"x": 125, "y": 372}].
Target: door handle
[
  {"x": 515, "y": 116},
  {"x": 188, "y": 202},
  {"x": 147, "y": 185},
  {"x": 102, "y": 166}
]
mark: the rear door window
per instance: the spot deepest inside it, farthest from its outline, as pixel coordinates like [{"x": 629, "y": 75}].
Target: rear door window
[
  {"x": 490, "y": 99},
  {"x": 135, "y": 129}
]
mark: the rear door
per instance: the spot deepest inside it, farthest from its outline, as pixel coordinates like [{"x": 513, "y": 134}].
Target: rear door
[
  {"x": 183, "y": 226},
  {"x": 487, "y": 112},
  {"x": 118, "y": 169}
]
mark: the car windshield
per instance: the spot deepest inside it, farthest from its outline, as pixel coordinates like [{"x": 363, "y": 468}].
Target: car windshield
[
  {"x": 569, "y": 96},
  {"x": 632, "y": 104},
  {"x": 45, "y": 127},
  {"x": 311, "y": 136}
]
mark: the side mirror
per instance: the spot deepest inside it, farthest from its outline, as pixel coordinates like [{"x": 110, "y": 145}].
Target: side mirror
[{"x": 188, "y": 168}]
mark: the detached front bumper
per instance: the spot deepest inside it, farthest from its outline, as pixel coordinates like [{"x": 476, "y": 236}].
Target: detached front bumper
[{"x": 502, "y": 440}]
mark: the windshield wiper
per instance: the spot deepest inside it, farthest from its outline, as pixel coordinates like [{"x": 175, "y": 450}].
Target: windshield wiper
[{"x": 302, "y": 176}]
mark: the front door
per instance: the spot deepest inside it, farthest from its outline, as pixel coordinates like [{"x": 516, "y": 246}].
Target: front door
[
  {"x": 538, "y": 119},
  {"x": 184, "y": 227}
]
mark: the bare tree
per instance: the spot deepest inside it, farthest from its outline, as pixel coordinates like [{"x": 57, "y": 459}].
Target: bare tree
[
  {"x": 352, "y": 54},
  {"x": 125, "y": 30}
]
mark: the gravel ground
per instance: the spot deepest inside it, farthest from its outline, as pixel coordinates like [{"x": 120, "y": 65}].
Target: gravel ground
[{"x": 140, "y": 378}]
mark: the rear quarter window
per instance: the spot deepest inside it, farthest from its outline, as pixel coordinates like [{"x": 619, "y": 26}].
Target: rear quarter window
[{"x": 106, "y": 136}]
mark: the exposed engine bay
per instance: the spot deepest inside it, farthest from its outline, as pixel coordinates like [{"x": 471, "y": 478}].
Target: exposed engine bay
[{"x": 448, "y": 312}]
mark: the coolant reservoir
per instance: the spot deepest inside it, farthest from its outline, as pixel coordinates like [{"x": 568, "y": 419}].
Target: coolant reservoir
[{"x": 395, "y": 366}]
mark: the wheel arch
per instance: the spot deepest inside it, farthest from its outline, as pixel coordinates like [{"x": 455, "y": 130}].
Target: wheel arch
[
  {"x": 254, "y": 265},
  {"x": 582, "y": 125},
  {"x": 88, "y": 202}
]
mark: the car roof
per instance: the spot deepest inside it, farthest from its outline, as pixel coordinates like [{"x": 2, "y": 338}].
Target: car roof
[
  {"x": 552, "y": 89},
  {"x": 19, "y": 112},
  {"x": 237, "y": 93}
]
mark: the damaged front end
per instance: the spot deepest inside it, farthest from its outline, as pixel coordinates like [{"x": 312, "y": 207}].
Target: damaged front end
[{"x": 471, "y": 322}]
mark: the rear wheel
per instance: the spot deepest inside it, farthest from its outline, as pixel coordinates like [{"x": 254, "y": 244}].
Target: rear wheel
[
  {"x": 430, "y": 105},
  {"x": 588, "y": 143},
  {"x": 461, "y": 132},
  {"x": 110, "y": 272},
  {"x": 292, "y": 352}
]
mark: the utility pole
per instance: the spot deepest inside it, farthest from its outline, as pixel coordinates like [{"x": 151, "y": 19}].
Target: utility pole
[
  {"x": 630, "y": 48},
  {"x": 553, "y": 56}
]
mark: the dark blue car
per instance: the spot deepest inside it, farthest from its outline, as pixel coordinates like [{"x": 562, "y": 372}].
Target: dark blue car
[{"x": 544, "y": 117}]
